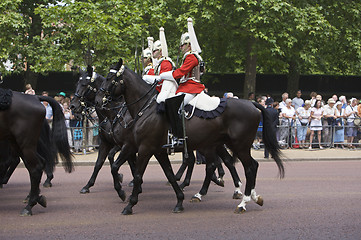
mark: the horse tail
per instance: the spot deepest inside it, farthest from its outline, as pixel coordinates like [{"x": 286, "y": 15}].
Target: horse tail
[
  {"x": 59, "y": 133},
  {"x": 270, "y": 139},
  {"x": 48, "y": 155}
]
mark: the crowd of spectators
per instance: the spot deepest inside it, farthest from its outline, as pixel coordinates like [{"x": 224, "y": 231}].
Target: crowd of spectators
[
  {"x": 315, "y": 123},
  {"x": 75, "y": 128}
]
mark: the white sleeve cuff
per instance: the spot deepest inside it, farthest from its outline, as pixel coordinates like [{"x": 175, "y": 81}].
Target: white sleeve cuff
[{"x": 167, "y": 76}]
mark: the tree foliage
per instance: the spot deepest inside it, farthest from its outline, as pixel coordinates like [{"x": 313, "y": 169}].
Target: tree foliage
[{"x": 307, "y": 37}]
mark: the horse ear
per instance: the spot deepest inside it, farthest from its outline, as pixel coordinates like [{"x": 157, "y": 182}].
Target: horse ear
[
  {"x": 89, "y": 69},
  {"x": 120, "y": 63}
]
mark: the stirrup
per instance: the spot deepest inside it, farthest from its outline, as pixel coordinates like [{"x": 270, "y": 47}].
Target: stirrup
[{"x": 175, "y": 143}]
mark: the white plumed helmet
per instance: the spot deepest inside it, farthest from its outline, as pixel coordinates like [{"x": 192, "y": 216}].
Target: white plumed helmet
[
  {"x": 147, "y": 53},
  {"x": 185, "y": 39},
  {"x": 192, "y": 36}
]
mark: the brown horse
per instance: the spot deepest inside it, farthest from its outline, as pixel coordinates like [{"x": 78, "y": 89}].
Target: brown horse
[
  {"x": 21, "y": 124},
  {"x": 236, "y": 128}
]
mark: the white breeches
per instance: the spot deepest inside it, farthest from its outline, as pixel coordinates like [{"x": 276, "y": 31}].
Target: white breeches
[
  {"x": 169, "y": 88},
  {"x": 188, "y": 97}
]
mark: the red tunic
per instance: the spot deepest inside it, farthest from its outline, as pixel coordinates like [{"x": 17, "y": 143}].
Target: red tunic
[
  {"x": 190, "y": 86},
  {"x": 165, "y": 66}
]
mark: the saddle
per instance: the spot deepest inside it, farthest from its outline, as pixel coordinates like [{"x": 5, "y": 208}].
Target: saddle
[
  {"x": 5, "y": 98},
  {"x": 205, "y": 106}
]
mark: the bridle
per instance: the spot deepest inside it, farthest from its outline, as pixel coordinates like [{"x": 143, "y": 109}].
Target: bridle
[
  {"x": 90, "y": 88},
  {"x": 119, "y": 80}
]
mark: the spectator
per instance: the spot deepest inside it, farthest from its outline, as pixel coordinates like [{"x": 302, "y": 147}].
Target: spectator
[
  {"x": 339, "y": 129},
  {"x": 29, "y": 89},
  {"x": 316, "y": 123},
  {"x": 297, "y": 101},
  {"x": 61, "y": 96},
  {"x": 319, "y": 97},
  {"x": 351, "y": 114},
  {"x": 328, "y": 121},
  {"x": 359, "y": 109},
  {"x": 334, "y": 97},
  {"x": 48, "y": 108},
  {"x": 92, "y": 130},
  {"x": 68, "y": 116},
  {"x": 272, "y": 109},
  {"x": 269, "y": 101},
  {"x": 303, "y": 120},
  {"x": 257, "y": 145},
  {"x": 228, "y": 95},
  {"x": 313, "y": 98},
  {"x": 283, "y": 103},
  {"x": 343, "y": 100},
  {"x": 288, "y": 117},
  {"x": 251, "y": 96}
]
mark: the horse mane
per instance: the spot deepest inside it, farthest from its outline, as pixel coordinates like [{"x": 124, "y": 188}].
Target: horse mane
[{"x": 142, "y": 83}]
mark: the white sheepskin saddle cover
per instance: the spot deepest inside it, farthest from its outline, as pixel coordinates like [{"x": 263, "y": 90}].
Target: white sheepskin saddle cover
[{"x": 205, "y": 102}]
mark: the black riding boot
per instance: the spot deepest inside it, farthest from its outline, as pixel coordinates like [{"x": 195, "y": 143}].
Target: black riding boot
[{"x": 172, "y": 106}]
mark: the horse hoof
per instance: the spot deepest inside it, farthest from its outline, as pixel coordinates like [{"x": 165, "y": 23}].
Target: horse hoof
[
  {"x": 260, "y": 201},
  {"x": 237, "y": 195},
  {"x": 221, "y": 182},
  {"x": 240, "y": 210},
  {"x": 84, "y": 190},
  {"x": 25, "y": 213},
  {"x": 120, "y": 176},
  {"x": 47, "y": 184},
  {"x": 26, "y": 200},
  {"x": 195, "y": 199},
  {"x": 42, "y": 201},
  {"x": 178, "y": 209},
  {"x": 127, "y": 211},
  {"x": 122, "y": 195}
]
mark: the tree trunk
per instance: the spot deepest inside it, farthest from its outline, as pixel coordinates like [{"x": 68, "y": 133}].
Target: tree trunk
[
  {"x": 251, "y": 69},
  {"x": 293, "y": 78}
]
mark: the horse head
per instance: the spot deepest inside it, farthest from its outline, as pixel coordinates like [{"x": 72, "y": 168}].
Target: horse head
[
  {"x": 86, "y": 88},
  {"x": 112, "y": 87}
]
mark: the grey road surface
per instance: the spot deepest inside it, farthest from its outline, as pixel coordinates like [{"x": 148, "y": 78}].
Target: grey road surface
[{"x": 316, "y": 200}]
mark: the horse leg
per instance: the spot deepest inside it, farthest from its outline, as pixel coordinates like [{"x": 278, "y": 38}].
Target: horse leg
[
  {"x": 35, "y": 171},
  {"x": 164, "y": 162},
  {"x": 102, "y": 155},
  {"x": 228, "y": 161},
  {"x": 190, "y": 163},
  {"x": 181, "y": 170},
  {"x": 14, "y": 162},
  {"x": 140, "y": 166},
  {"x": 250, "y": 168},
  {"x": 211, "y": 163},
  {"x": 49, "y": 175},
  {"x": 111, "y": 156},
  {"x": 127, "y": 153}
]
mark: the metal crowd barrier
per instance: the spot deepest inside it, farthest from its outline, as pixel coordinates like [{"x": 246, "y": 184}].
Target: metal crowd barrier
[
  {"x": 83, "y": 139},
  {"x": 287, "y": 136}
]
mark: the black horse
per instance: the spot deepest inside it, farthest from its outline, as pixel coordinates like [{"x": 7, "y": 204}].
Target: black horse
[
  {"x": 236, "y": 128},
  {"x": 111, "y": 133},
  {"x": 10, "y": 160},
  {"x": 22, "y": 125}
]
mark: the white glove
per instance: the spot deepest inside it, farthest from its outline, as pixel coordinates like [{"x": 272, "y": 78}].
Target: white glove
[{"x": 150, "y": 79}]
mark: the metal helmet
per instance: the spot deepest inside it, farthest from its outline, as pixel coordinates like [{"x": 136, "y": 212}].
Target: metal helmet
[
  {"x": 147, "y": 53},
  {"x": 157, "y": 45},
  {"x": 185, "y": 39}
]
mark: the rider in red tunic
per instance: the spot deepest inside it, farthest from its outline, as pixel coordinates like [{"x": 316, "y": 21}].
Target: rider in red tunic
[
  {"x": 162, "y": 63},
  {"x": 189, "y": 82}
]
